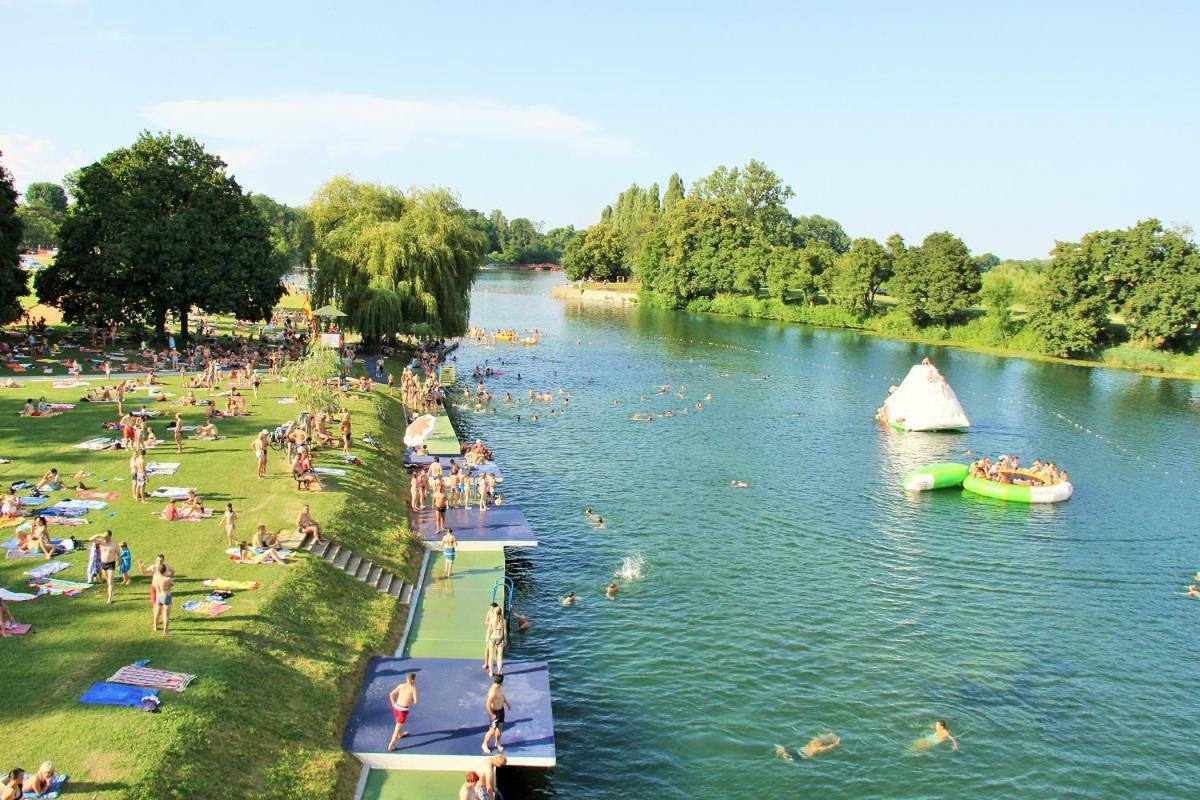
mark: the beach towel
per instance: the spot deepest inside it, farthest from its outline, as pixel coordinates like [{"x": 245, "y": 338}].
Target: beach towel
[
  {"x": 99, "y": 443},
  {"x": 54, "y": 792},
  {"x": 14, "y": 553},
  {"x": 57, "y": 587},
  {"x": 8, "y": 522},
  {"x": 11, "y": 544},
  {"x": 18, "y": 629},
  {"x": 221, "y": 583},
  {"x": 15, "y": 597},
  {"x": 206, "y": 514},
  {"x": 171, "y": 492},
  {"x": 86, "y": 505},
  {"x": 90, "y": 495},
  {"x": 33, "y": 501},
  {"x": 68, "y": 521},
  {"x": 69, "y": 511},
  {"x": 284, "y": 401},
  {"x": 156, "y": 678},
  {"x": 47, "y": 569},
  {"x": 116, "y": 694},
  {"x": 208, "y": 607},
  {"x": 60, "y": 406},
  {"x": 69, "y": 384},
  {"x": 329, "y": 471},
  {"x": 162, "y": 469}
]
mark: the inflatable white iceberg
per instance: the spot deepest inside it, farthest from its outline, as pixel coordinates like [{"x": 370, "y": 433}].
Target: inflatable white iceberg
[{"x": 924, "y": 401}]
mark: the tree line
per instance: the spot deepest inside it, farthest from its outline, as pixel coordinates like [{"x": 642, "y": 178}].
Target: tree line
[
  {"x": 729, "y": 244},
  {"x": 153, "y": 231}
]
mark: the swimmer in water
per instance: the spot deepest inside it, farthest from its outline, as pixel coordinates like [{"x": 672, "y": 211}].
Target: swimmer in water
[
  {"x": 588, "y": 512},
  {"x": 611, "y": 591},
  {"x": 599, "y": 520},
  {"x": 569, "y": 600},
  {"x": 818, "y": 744},
  {"x": 1191, "y": 591},
  {"x": 739, "y": 484},
  {"x": 699, "y": 406},
  {"x": 939, "y": 734},
  {"x": 522, "y": 622},
  {"x": 708, "y": 397}
]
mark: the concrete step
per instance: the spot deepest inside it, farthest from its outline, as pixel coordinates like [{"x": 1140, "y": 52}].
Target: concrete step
[
  {"x": 364, "y": 569},
  {"x": 320, "y": 548},
  {"x": 372, "y": 575},
  {"x": 384, "y": 582},
  {"x": 397, "y": 587},
  {"x": 352, "y": 564},
  {"x": 341, "y": 558},
  {"x": 332, "y": 553},
  {"x": 406, "y": 595}
]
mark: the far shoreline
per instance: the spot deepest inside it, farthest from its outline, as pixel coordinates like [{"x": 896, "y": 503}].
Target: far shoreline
[{"x": 627, "y": 294}]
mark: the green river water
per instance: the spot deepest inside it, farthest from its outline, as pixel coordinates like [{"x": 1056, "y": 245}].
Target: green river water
[{"x": 824, "y": 598}]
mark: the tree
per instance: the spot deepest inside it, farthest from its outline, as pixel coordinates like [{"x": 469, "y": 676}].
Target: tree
[
  {"x": 1153, "y": 280},
  {"x": 49, "y": 196},
  {"x": 40, "y": 228},
  {"x": 14, "y": 283},
  {"x": 159, "y": 227},
  {"x": 998, "y": 295},
  {"x": 987, "y": 261},
  {"x": 407, "y": 261},
  {"x": 309, "y": 379},
  {"x": 859, "y": 274},
  {"x": 935, "y": 282},
  {"x": 1070, "y": 315},
  {"x": 674, "y": 193},
  {"x": 821, "y": 230},
  {"x": 596, "y": 254}
]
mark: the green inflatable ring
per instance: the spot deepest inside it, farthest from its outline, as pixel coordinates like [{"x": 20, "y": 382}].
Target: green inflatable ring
[{"x": 1055, "y": 493}]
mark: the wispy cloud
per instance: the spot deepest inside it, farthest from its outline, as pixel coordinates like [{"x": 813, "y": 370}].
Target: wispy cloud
[
  {"x": 251, "y": 130},
  {"x": 31, "y": 159}
]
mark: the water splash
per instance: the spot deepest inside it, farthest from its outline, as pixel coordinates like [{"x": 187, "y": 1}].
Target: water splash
[{"x": 631, "y": 568}]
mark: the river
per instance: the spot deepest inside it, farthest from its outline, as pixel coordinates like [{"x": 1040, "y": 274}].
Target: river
[{"x": 823, "y": 598}]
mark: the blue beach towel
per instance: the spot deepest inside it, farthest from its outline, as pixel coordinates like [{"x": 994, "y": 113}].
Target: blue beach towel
[
  {"x": 55, "y": 790},
  {"x": 116, "y": 694}
]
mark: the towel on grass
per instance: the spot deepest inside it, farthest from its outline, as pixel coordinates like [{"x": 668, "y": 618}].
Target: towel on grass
[
  {"x": 8, "y": 522},
  {"x": 55, "y": 519},
  {"x": 221, "y": 583},
  {"x": 155, "y": 678},
  {"x": 54, "y": 792},
  {"x": 90, "y": 495},
  {"x": 205, "y": 607},
  {"x": 171, "y": 492},
  {"x": 68, "y": 511},
  {"x": 86, "y": 505},
  {"x": 15, "y": 597},
  {"x": 116, "y": 694},
  {"x": 60, "y": 406},
  {"x": 58, "y": 587},
  {"x": 18, "y": 629},
  {"x": 47, "y": 569},
  {"x": 162, "y": 469},
  {"x": 14, "y": 553},
  {"x": 68, "y": 384},
  {"x": 99, "y": 443},
  {"x": 206, "y": 514},
  {"x": 32, "y": 501},
  {"x": 329, "y": 471},
  {"x": 284, "y": 401}
]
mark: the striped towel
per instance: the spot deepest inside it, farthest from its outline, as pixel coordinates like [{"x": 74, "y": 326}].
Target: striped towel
[{"x": 154, "y": 678}]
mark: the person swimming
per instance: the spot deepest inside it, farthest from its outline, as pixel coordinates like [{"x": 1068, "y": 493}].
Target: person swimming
[
  {"x": 569, "y": 600},
  {"x": 818, "y": 744},
  {"x": 611, "y": 591},
  {"x": 939, "y": 734},
  {"x": 739, "y": 484},
  {"x": 1192, "y": 591}
]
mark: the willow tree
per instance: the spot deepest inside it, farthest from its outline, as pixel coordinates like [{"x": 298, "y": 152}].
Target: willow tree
[{"x": 396, "y": 263}]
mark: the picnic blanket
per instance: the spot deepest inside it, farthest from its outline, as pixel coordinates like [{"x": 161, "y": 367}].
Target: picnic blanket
[
  {"x": 162, "y": 469},
  {"x": 86, "y": 505},
  {"x": 221, "y": 583},
  {"x": 156, "y": 678},
  {"x": 57, "y": 587},
  {"x": 171, "y": 492},
  {"x": 15, "y": 553},
  {"x": 18, "y": 629},
  {"x": 68, "y": 511},
  {"x": 91, "y": 495},
  {"x": 99, "y": 443},
  {"x": 206, "y": 606},
  {"x": 329, "y": 471},
  {"x": 33, "y": 501},
  {"x": 15, "y": 597},
  {"x": 116, "y": 694},
  {"x": 47, "y": 569}
]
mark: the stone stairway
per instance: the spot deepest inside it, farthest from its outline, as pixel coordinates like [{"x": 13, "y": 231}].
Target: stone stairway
[{"x": 359, "y": 568}]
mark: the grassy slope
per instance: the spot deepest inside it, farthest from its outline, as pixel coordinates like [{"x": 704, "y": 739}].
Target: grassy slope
[{"x": 276, "y": 671}]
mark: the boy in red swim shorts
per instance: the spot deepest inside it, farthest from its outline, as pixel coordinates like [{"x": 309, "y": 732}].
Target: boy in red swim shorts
[{"x": 402, "y": 698}]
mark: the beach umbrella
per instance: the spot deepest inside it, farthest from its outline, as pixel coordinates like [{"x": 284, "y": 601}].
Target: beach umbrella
[
  {"x": 330, "y": 311},
  {"x": 419, "y": 430}
]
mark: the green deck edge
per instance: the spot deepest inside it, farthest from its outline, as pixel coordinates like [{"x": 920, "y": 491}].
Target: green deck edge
[
  {"x": 412, "y": 785},
  {"x": 449, "y": 619}
]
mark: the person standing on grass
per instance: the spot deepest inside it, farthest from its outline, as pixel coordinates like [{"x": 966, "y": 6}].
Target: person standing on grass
[
  {"x": 402, "y": 698},
  {"x": 260, "y": 448},
  {"x": 345, "y": 429},
  {"x": 229, "y": 518},
  {"x": 178, "y": 432},
  {"x": 110, "y": 554},
  {"x": 255, "y": 382},
  {"x": 495, "y": 704},
  {"x": 162, "y": 584},
  {"x": 139, "y": 475},
  {"x": 449, "y": 549}
]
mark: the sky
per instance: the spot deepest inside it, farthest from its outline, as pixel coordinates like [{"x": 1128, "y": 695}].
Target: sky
[{"x": 1012, "y": 125}]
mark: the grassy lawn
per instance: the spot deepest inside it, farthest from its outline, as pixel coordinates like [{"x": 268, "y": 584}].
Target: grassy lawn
[{"x": 276, "y": 672}]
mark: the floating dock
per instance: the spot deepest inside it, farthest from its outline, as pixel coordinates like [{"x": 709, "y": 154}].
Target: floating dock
[{"x": 494, "y": 529}]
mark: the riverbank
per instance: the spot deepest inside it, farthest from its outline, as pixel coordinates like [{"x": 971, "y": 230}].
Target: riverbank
[
  {"x": 889, "y": 326},
  {"x": 276, "y": 673}
]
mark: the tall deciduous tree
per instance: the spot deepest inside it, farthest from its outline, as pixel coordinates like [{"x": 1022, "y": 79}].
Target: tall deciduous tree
[
  {"x": 14, "y": 282},
  {"x": 859, "y": 274},
  {"x": 937, "y": 281},
  {"x": 159, "y": 227},
  {"x": 675, "y": 192},
  {"x": 380, "y": 252},
  {"x": 596, "y": 254},
  {"x": 49, "y": 196},
  {"x": 1070, "y": 315}
]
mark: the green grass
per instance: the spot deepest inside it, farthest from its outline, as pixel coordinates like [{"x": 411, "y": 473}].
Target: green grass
[{"x": 277, "y": 672}]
